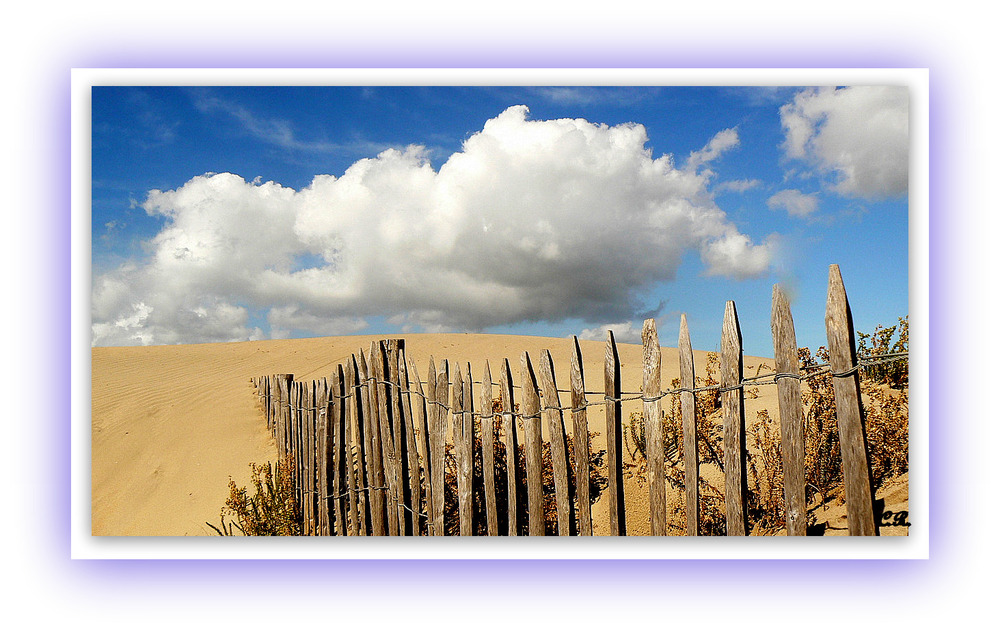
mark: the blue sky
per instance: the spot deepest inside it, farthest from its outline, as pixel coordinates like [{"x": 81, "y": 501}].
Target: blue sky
[{"x": 235, "y": 213}]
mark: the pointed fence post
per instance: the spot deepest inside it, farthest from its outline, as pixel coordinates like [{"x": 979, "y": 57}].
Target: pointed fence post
[
  {"x": 469, "y": 440},
  {"x": 557, "y": 444},
  {"x": 437, "y": 446},
  {"x": 340, "y": 453},
  {"x": 850, "y": 415},
  {"x": 327, "y": 437},
  {"x": 512, "y": 447},
  {"x": 390, "y": 462},
  {"x": 420, "y": 421},
  {"x": 487, "y": 426},
  {"x": 433, "y": 484},
  {"x": 391, "y": 349},
  {"x": 689, "y": 428},
  {"x": 793, "y": 445},
  {"x": 357, "y": 522},
  {"x": 412, "y": 455},
  {"x": 733, "y": 422},
  {"x": 581, "y": 440},
  {"x": 374, "y": 475},
  {"x": 613, "y": 416},
  {"x": 459, "y": 439},
  {"x": 309, "y": 432},
  {"x": 651, "y": 392},
  {"x": 530, "y": 413}
]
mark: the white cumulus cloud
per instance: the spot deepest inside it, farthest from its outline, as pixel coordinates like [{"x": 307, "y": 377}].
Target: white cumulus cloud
[
  {"x": 859, "y": 134},
  {"x": 530, "y": 221}
]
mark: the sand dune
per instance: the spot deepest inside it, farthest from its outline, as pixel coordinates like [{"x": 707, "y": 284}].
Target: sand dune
[{"x": 171, "y": 424}]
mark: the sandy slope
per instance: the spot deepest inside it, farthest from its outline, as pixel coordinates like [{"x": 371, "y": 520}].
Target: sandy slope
[{"x": 171, "y": 424}]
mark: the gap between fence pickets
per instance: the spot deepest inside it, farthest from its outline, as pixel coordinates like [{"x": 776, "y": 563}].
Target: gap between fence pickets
[{"x": 367, "y": 457}]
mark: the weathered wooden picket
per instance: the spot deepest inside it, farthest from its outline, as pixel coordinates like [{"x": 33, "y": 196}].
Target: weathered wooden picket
[{"x": 369, "y": 442}]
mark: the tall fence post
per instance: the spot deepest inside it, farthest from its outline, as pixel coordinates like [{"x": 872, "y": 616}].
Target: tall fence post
[
  {"x": 581, "y": 440},
  {"x": 613, "y": 418},
  {"x": 532, "y": 446},
  {"x": 375, "y": 476},
  {"x": 357, "y": 523},
  {"x": 487, "y": 427},
  {"x": 793, "y": 447},
  {"x": 437, "y": 445},
  {"x": 390, "y": 376},
  {"x": 340, "y": 453},
  {"x": 423, "y": 433},
  {"x": 390, "y": 461},
  {"x": 512, "y": 448},
  {"x": 850, "y": 415},
  {"x": 557, "y": 444},
  {"x": 651, "y": 392},
  {"x": 412, "y": 455},
  {"x": 689, "y": 428},
  {"x": 462, "y": 442},
  {"x": 326, "y": 438},
  {"x": 733, "y": 422}
]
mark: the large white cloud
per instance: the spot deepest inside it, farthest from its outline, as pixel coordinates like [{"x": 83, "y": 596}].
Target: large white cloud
[
  {"x": 859, "y": 134},
  {"x": 531, "y": 220}
]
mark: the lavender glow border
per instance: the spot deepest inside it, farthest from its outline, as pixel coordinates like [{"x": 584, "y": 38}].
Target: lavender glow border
[{"x": 357, "y": 566}]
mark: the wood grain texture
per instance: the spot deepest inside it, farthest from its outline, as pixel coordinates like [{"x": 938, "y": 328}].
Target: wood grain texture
[
  {"x": 374, "y": 476},
  {"x": 511, "y": 444},
  {"x": 793, "y": 451},
  {"x": 733, "y": 423},
  {"x": 354, "y": 453},
  {"x": 309, "y": 432},
  {"x": 412, "y": 464},
  {"x": 530, "y": 412},
  {"x": 328, "y": 437},
  {"x": 420, "y": 421},
  {"x": 850, "y": 415},
  {"x": 487, "y": 427},
  {"x": 557, "y": 443},
  {"x": 468, "y": 440},
  {"x": 437, "y": 447},
  {"x": 613, "y": 418},
  {"x": 689, "y": 428},
  {"x": 433, "y": 484},
  {"x": 392, "y": 393},
  {"x": 279, "y": 403},
  {"x": 651, "y": 390},
  {"x": 295, "y": 414},
  {"x": 380, "y": 410},
  {"x": 581, "y": 441},
  {"x": 464, "y": 479}
]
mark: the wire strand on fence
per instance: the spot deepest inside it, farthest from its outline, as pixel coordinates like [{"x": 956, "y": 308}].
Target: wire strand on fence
[{"x": 756, "y": 381}]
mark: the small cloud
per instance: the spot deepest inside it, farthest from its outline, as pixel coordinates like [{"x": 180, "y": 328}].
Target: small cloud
[
  {"x": 794, "y": 202},
  {"x": 720, "y": 143},
  {"x": 624, "y": 333},
  {"x": 737, "y": 186}
]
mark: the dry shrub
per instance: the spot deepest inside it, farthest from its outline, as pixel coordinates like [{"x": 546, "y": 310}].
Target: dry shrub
[
  {"x": 270, "y": 511},
  {"x": 886, "y": 418},
  {"x": 712, "y": 514},
  {"x": 598, "y": 482}
]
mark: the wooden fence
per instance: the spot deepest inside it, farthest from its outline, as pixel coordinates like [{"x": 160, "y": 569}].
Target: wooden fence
[{"x": 369, "y": 442}]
